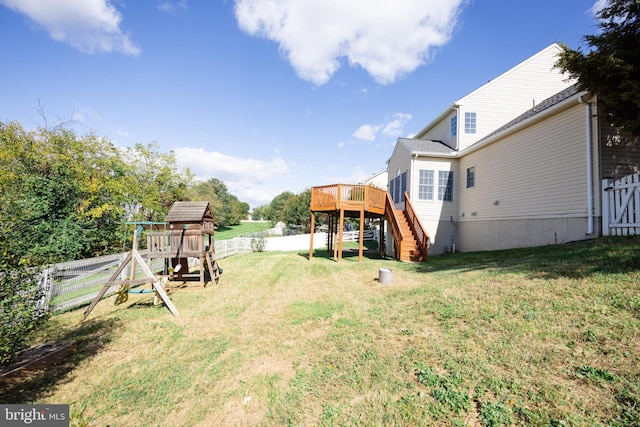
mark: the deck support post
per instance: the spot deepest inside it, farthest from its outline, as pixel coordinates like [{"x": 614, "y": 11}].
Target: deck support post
[
  {"x": 361, "y": 239},
  {"x": 340, "y": 234},
  {"x": 381, "y": 243},
  {"x": 313, "y": 223}
]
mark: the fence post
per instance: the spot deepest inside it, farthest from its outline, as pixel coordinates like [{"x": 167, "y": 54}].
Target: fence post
[{"x": 607, "y": 206}]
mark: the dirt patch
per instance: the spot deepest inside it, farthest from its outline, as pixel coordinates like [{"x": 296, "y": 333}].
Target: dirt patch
[{"x": 35, "y": 360}]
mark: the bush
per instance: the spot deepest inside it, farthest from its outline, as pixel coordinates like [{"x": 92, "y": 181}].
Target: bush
[{"x": 22, "y": 305}]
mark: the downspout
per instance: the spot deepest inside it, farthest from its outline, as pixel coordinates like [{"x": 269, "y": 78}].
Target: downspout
[
  {"x": 589, "y": 165},
  {"x": 456, "y": 107}
]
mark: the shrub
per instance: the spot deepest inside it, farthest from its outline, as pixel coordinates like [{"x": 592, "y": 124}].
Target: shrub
[{"x": 22, "y": 305}]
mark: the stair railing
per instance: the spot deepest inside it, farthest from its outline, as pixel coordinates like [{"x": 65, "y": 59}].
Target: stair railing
[
  {"x": 416, "y": 226},
  {"x": 394, "y": 221}
]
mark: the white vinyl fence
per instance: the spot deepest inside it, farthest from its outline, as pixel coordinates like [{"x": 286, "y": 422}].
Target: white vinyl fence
[{"x": 74, "y": 283}]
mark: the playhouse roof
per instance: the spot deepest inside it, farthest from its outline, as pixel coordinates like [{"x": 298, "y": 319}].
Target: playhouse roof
[{"x": 190, "y": 212}]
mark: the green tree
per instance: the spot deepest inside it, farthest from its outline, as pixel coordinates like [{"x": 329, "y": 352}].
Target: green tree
[
  {"x": 275, "y": 213},
  {"x": 260, "y": 213},
  {"x": 611, "y": 67},
  {"x": 61, "y": 196},
  {"x": 157, "y": 183},
  {"x": 226, "y": 207},
  {"x": 296, "y": 211}
]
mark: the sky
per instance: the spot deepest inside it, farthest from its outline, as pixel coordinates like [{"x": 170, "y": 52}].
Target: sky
[{"x": 266, "y": 95}]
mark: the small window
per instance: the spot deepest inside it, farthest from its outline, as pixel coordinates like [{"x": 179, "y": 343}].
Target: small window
[
  {"x": 453, "y": 126},
  {"x": 471, "y": 177},
  {"x": 392, "y": 189},
  {"x": 445, "y": 186},
  {"x": 469, "y": 122},
  {"x": 425, "y": 186}
]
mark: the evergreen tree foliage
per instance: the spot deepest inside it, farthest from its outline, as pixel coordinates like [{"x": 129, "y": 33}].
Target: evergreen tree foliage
[{"x": 610, "y": 68}]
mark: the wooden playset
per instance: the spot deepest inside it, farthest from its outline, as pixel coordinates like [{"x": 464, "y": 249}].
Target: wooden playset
[{"x": 190, "y": 234}]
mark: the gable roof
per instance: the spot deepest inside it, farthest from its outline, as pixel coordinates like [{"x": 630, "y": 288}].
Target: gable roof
[{"x": 190, "y": 212}]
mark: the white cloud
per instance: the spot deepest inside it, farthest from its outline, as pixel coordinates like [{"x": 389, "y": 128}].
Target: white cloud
[
  {"x": 388, "y": 39},
  {"x": 366, "y": 133},
  {"x": 208, "y": 164},
  {"x": 392, "y": 126},
  {"x": 598, "y": 6},
  {"x": 88, "y": 25},
  {"x": 356, "y": 174},
  {"x": 173, "y": 7},
  {"x": 395, "y": 126},
  {"x": 248, "y": 179}
]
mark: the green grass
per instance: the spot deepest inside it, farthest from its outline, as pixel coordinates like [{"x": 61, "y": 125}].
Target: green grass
[
  {"x": 539, "y": 336},
  {"x": 226, "y": 233}
]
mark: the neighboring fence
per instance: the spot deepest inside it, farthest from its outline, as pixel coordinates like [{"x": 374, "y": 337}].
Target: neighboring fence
[
  {"x": 74, "y": 283},
  {"x": 621, "y": 206}
]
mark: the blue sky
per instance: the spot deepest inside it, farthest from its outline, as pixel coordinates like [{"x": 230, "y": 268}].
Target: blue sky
[{"x": 267, "y": 95}]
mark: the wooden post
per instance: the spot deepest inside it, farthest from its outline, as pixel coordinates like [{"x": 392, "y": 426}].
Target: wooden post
[
  {"x": 340, "y": 234},
  {"x": 313, "y": 224},
  {"x": 607, "y": 203},
  {"x": 134, "y": 247},
  {"x": 381, "y": 237},
  {"x": 361, "y": 240}
]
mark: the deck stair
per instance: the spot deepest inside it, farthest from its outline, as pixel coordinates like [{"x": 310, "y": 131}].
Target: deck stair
[
  {"x": 409, "y": 247},
  {"x": 410, "y": 239}
]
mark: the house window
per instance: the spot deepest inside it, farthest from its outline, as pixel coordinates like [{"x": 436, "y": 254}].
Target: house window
[
  {"x": 469, "y": 122},
  {"x": 453, "y": 126},
  {"x": 425, "y": 186},
  {"x": 471, "y": 177},
  {"x": 445, "y": 186},
  {"x": 397, "y": 187},
  {"x": 392, "y": 189}
]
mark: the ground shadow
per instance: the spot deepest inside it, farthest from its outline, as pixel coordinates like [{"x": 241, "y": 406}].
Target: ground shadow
[
  {"x": 608, "y": 255},
  {"x": 370, "y": 251},
  {"x": 90, "y": 338}
]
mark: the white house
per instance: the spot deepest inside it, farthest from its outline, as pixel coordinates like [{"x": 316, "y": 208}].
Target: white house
[
  {"x": 517, "y": 162},
  {"x": 378, "y": 180}
]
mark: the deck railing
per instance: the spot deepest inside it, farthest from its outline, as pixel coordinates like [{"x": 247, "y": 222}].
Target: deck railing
[
  {"x": 394, "y": 221},
  {"x": 176, "y": 244},
  {"x": 416, "y": 226},
  {"x": 348, "y": 197}
]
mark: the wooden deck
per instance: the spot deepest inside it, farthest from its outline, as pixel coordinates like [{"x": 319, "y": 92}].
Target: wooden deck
[
  {"x": 362, "y": 201},
  {"x": 348, "y": 197}
]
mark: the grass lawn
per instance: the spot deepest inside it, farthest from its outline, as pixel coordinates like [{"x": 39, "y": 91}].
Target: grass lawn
[
  {"x": 225, "y": 233},
  {"x": 541, "y": 336}
]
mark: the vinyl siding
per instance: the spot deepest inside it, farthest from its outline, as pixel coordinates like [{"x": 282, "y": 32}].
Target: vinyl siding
[
  {"x": 531, "y": 187},
  {"x": 538, "y": 172},
  {"x": 511, "y": 94},
  {"x": 436, "y": 215},
  {"x": 400, "y": 161}
]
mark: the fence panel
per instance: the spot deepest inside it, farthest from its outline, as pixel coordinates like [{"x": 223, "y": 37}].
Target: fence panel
[{"x": 621, "y": 206}]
